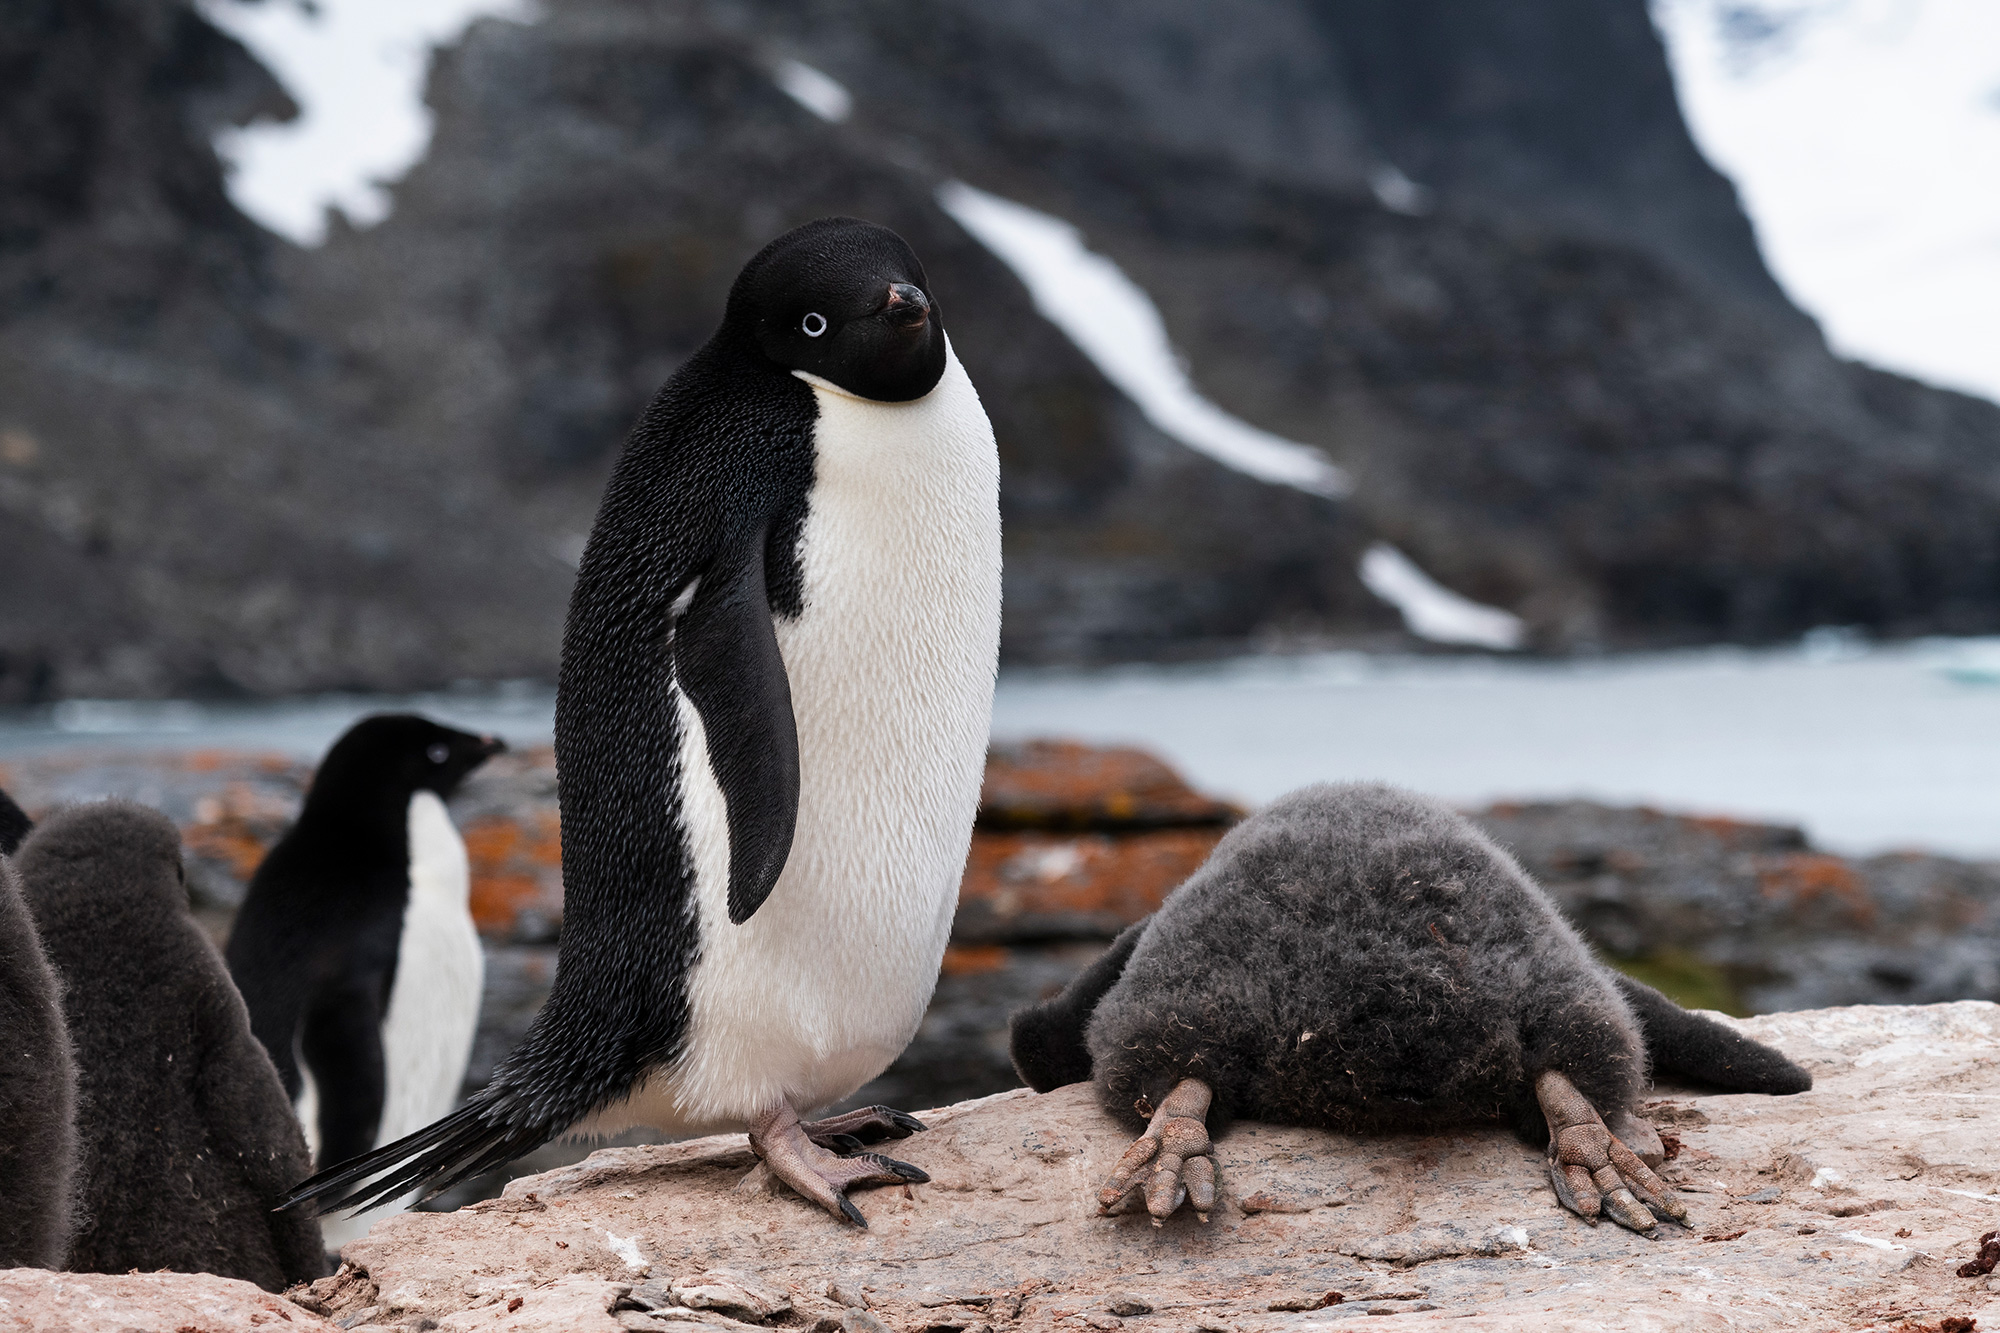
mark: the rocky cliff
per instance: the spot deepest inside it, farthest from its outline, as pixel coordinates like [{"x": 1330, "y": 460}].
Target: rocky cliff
[{"x": 1468, "y": 251}]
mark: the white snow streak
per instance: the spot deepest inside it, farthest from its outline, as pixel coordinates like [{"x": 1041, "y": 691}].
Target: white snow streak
[
  {"x": 1116, "y": 325},
  {"x": 819, "y": 93},
  {"x": 356, "y": 68},
  {"x": 1431, "y": 610}
]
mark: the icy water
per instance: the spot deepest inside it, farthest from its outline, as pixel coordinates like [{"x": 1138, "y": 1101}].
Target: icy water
[{"x": 1868, "y": 748}]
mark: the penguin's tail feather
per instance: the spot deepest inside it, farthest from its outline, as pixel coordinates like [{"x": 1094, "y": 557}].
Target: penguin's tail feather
[
  {"x": 1047, "y": 1039},
  {"x": 469, "y": 1141},
  {"x": 1700, "y": 1048}
]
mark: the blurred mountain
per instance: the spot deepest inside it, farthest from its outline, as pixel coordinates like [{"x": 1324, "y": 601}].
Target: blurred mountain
[{"x": 1468, "y": 249}]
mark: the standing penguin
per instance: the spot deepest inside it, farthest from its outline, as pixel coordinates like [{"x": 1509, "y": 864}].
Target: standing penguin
[
  {"x": 186, "y": 1141},
  {"x": 37, "y": 1080},
  {"x": 1362, "y": 959},
  {"x": 777, "y": 681},
  {"x": 355, "y": 947}
]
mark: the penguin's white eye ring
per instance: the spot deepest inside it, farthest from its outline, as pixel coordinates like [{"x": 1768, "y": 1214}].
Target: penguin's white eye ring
[
  {"x": 439, "y": 752},
  {"x": 813, "y": 325}
]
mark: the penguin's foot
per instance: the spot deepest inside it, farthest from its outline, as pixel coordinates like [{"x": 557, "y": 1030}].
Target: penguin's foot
[
  {"x": 789, "y": 1153},
  {"x": 1177, "y": 1149},
  {"x": 846, "y": 1133},
  {"x": 1593, "y": 1171}
]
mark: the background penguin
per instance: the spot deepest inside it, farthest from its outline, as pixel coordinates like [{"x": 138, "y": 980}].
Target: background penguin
[
  {"x": 777, "y": 682},
  {"x": 14, "y": 825},
  {"x": 186, "y": 1141},
  {"x": 1362, "y": 959},
  {"x": 37, "y": 1082},
  {"x": 355, "y": 947}
]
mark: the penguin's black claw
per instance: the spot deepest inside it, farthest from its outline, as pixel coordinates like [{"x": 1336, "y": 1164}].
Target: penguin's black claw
[
  {"x": 852, "y": 1213},
  {"x": 916, "y": 1175},
  {"x": 868, "y": 1124},
  {"x": 844, "y": 1144}
]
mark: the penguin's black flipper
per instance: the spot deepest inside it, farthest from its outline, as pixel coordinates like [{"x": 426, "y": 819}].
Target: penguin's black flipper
[
  {"x": 15, "y": 825},
  {"x": 1046, "y": 1039},
  {"x": 1683, "y": 1043},
  {"x": 341, "y": 1040},
  {"x": 726, "y": 662}
]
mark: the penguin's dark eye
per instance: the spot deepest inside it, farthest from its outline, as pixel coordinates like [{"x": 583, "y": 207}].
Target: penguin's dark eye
[
  {"x": 439, "y": 752},
  {"x": 813, "y": 325}
]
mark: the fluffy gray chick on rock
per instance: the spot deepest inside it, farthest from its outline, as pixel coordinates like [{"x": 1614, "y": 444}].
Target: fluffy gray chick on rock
[{"x": 1363, "y": 959}]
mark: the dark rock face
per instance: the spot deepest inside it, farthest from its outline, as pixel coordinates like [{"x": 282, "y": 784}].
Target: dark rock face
[
  {"x": 1555, "y": 366},
  {"x": 1751, "y": 918}
]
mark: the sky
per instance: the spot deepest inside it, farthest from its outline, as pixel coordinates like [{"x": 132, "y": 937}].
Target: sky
[{"x": 1863, "y": 135}]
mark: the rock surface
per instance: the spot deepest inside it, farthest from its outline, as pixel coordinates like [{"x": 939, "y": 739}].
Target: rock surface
[
  {"x": 32, "y": 1301},
  {"x": 1848, "y": 1207}
]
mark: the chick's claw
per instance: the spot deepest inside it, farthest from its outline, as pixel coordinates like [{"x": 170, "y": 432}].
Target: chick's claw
[
  {"x": 1177, "y": 1148},
  {"x": 1595, "y": 1174}
]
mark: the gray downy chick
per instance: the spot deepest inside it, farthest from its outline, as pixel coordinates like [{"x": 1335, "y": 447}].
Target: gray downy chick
[
  {"x": 186, "y": 1139},
  {"x": 1363, "y": 959}
]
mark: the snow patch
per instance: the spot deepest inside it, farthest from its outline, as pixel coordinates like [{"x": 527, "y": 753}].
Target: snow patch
[
  {"x": 1433, "y": 611},
  {"x": 1114, "y": 323},
  {"x": 819, "y": 93},
  {"x": 356, "y": 68},
  {"x": 1863, "y": 138}
]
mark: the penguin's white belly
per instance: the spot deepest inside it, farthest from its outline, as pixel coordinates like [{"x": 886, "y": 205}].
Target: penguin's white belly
[
  {"x": 891, "y": 667},
  {"x": 434, "y": 1002}
]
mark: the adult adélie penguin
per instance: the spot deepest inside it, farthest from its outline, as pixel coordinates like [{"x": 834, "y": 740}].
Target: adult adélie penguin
[{"x": 776, "y": 687}]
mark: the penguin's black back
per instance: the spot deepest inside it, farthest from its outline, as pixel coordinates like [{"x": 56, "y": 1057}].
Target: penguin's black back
[
  {"x": 187, "y": 1141},
  {"x": 314, "y": 946},
  {"x": 1362, "y": 958},
  {"x": 37, "y": 1094}
]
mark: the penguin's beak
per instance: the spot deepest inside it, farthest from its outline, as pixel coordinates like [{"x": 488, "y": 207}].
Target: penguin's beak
[
  {"x": 906, "y": 306},
  {"x": 492, "y": 745}
]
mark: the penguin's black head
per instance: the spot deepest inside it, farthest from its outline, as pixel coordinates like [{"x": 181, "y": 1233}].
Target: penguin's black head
[
  {"x": 403, "y": 753},
  {"x": 845, "y": 300}
]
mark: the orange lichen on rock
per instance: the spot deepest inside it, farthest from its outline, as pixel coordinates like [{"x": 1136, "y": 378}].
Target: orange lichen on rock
[
  {"x": 235, "y": 826},
  {"x": 1804, "y": 878},
  {"x": 516, "y": 873},
  {"x": 1043, "y": 885},
  {"x": 1066, "y": 784},
  {"x": 962, "y": 960}
]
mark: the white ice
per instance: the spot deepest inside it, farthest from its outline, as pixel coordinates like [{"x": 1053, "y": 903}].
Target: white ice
[
  {"x": 817, "y": 92},
  {"x": 1864, "y": 136},
  {"x": 1113, "y": 322},
  {"x": 356, "y": 68},
  {"x": 1431, "y": 610}
]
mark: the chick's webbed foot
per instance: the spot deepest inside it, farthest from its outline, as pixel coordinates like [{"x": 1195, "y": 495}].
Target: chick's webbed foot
[
  {"x": 1173, "y": 1160},
  {"x": 848, "y": 1132},
  {"x": 1594, "y": 1172},
  {"x": 789, "y": 1153}
]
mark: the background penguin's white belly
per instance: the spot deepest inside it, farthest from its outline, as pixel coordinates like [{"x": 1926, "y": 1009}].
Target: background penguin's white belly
[
  {"x": 440, "y": 970},
  {"x": 891, "y": 668}
]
